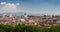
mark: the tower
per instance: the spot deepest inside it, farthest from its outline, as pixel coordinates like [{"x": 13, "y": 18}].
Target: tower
[{"x": 25, "y": 15}]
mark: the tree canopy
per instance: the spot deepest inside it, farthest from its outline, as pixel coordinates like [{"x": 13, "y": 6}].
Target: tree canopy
[{"x": 27, "y": 28}]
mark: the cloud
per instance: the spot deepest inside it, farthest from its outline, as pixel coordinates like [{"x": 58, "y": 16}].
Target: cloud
[
  {"x": 3, "y": 3},
  {"x": 9, "y": 7}
]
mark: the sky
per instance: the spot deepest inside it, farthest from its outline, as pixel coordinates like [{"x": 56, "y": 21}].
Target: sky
[{"x": 46, "y": 7}]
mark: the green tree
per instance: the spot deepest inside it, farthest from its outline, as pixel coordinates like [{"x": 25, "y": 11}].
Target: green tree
[
  {"x": 55, "y": 28},
  {"x": 7, "y": 28},
  {"x": 26, "y": 28},
  {"x": 1, "y": 30},
  {"x": 45, "y": 29}
]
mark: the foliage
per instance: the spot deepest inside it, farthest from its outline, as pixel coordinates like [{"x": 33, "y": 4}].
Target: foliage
[
  {"x": 1, "y": 30},
  {"x": 26, "y": 28},
  {"x": 55, "y": 28}
]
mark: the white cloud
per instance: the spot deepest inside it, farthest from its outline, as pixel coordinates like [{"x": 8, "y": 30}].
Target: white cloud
[
  {"x": 8, "y": 7},
  {"x": 3, "y": 3}
]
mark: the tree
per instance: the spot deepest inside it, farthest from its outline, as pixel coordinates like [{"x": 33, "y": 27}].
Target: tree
[
  {"x": 7, "y": 28},
  {"x": 55, "y": 28},
  {"x": 1, "y": 30},
  {"x": 45, "y": 29},
  {"x": 26, "y": 28}
]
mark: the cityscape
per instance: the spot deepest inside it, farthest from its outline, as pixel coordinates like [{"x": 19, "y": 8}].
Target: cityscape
[
  {"x": 41, "y": 21},
  {"x": 29, "y": 15}
]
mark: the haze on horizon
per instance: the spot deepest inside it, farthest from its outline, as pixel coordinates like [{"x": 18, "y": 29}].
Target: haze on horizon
[{"x": 49, "y": 7}]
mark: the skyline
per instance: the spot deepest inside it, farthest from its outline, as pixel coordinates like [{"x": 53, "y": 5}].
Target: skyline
[{"x": 49, "y": 7}]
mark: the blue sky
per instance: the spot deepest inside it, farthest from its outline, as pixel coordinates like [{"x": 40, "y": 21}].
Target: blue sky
[{"x": 49, "y": 7}]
